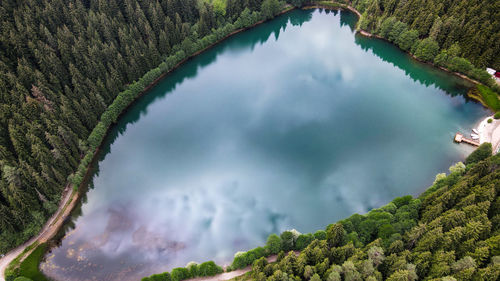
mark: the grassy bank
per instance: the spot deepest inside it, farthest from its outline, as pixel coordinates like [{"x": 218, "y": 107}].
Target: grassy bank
[
  {"x": 29, "y": 266},
  {"x": 486, "y": 96}
]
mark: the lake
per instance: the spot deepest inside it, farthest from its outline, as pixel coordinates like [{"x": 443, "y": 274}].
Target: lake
[{"x": 296, "y": 123}]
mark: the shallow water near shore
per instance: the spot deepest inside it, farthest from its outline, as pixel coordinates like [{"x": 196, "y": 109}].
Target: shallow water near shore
[{"x": 296, "y": 123}]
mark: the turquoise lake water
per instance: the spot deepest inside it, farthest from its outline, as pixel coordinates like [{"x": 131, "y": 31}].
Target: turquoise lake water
[{"x": 296, "y": 123}]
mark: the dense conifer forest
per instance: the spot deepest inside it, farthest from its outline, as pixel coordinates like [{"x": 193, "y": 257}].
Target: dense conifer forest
[
  {"x": 63, "y": 63},
  {"x": 69, "y": 68},
  {"x": 455, "y": 29}
]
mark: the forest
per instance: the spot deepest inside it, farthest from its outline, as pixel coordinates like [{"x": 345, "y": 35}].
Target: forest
[
  {"x": 67, "y": 71},
  {"x": 461, "y": 36},
  {"x": 450, "y": 232},
  {"x": 69, "y": 68},
  {"x": 454, "y": 29}
]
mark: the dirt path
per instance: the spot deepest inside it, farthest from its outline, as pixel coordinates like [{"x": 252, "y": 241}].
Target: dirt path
[
  {"x": 235, "y": 273},
  {"x": 490, "y": 132},
  {"x": 69, "y": 199}
]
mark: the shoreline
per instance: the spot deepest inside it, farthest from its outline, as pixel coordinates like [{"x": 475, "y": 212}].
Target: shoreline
[
  {"x": 371, "y": 35},
  {"x": 49, "y": 230},
  {"x": 489, "y": 132},
  {"x": 70, "y": 197}
]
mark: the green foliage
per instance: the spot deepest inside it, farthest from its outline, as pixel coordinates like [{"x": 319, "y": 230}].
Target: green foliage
[
  {"x": 303, "y": 241},
  {"x": 427, "y": 50},
  {"x": 273, "y": 244},
  {"x": 446, "y": 234},
  {"x": 29, "y": 266},
  {"x": 482, "y": 152},
  {"x": 287, "y": 241},
  {"x": 208, "y": 268},
  {"x": 446, "y": 41},
  {"x": 270, "y": 8},
  {"x": 192, "y": 270},
  {"x": 497, "y": 115},
  {"x": 180, "y": 273},
  {"x": 62, "y": 88},
  {"x": 407, "y": 40},
  {"x": 469, "y": 25},
  {"x": 243, "y": 259},
  {"x": 335, "y": 235},
  {"x": 297, "y": 3},
  {"x": 320, "y": 235},
  {"x": 490, "y": 98}
]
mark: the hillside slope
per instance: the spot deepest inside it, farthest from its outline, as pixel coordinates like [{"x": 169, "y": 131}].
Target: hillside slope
[
  {"x": 451, "y": 232},
  {"x": 62, "y": 64}
]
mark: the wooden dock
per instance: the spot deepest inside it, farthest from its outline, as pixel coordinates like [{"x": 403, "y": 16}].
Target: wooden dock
[{"x": 460, "y": 138}]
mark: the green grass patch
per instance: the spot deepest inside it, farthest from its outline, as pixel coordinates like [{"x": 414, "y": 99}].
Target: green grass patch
[
  {"x": 489, "y": 97},
  {"x": 29, "y": 266},
  {"x": 13, "y": 266}
]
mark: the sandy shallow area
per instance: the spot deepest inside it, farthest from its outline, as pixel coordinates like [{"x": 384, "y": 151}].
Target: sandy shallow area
[{"x": 490, "y": 132}]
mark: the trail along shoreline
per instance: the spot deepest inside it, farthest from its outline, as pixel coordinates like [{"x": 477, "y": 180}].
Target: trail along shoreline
[{"x": 70, "y": 198}]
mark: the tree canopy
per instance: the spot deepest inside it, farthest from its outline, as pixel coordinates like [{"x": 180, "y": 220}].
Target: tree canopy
[
  {"x": 450, "y": 232},
  {"x": 67, "y": 71}
]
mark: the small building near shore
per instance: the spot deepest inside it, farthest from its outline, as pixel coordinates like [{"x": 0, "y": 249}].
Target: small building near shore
[{"x": 494, "y": 73}]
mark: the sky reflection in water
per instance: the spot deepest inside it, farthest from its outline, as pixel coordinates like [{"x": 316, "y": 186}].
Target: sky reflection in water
[{"x": 259, "y": 135}]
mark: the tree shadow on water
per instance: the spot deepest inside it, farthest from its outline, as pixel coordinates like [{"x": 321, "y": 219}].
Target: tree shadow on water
[
  {"x": 422, "y": 73},
  {"x": 242, "y": 42}
]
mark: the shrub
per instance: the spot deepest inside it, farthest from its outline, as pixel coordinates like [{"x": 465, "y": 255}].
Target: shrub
[
  {"x": 240, "y": 260},
  {"x": 401, "y": 201},
  {"x": 490, "y": 120},
  {"x": 303, "y": 241},
  {"x": 29, "y": 267},
  {"x": 482, "y": 152},
  {"x": 180, "y": 273},
  {"x": 193, "y": 268},
  {"x": 489, "y": 97},
  {"x": 497, "y": 115},
  {"x": 158, "y": 277},
  {"x": 427, "y": 49},
  {"x": 407, "y": 39},
  {"x": 243, "y": 259},
  {"x": 273, "y": 244},
  {"x": 335, "y": 235},
  {"x": 287, "y": 241},
  {"x": 209, "y": 268},
  {"x": 320, "y": 235},
  {"x": 460, "y": 65}
]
